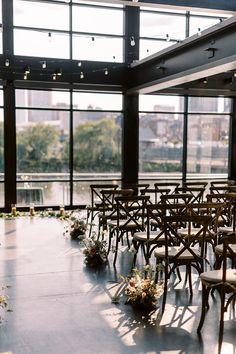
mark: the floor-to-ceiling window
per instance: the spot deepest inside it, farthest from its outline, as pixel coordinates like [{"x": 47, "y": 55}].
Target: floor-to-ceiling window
[
  {"x": 161, "y": 122},
  {"x": 1, "y": 150},
  {"x": 49, "y": 145},
  {"x": 162, "y": 139},
  {"x": 208, "y": 136},
  {"x": 42, "y": 127},
  {"x": 98, "y": 32},
  {"x": 97, "y": 125},
  {"x": 41, "y": 29}
]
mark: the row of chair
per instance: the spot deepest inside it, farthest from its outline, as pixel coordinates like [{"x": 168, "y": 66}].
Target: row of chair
[{"x": 174, "y": 226}]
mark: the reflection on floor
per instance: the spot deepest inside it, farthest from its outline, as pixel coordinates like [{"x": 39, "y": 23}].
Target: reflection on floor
[{"x": 59, "y": 306}]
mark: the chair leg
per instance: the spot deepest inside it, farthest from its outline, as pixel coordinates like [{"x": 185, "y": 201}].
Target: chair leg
[
  {"x": 222, "y": 310},
  {"x": 165, "y": 289},
  {"x": 205, "y": 294}
]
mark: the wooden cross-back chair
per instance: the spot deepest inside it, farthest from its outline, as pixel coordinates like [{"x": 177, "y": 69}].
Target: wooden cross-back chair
[
  {"x": 109, "y": 206},
  {"x": 197, "y": 192},
  {"x": 130, "y": 217},
  {"x": 222, "y": 280},
  {"x": 155, "y": 194},
  {"x": 96, "y": 205},
  {"x": 207, "y": 208},
  {"x": 137, "y": 187},
  {"x": 153, "y": 235},
  {"x": 162, "y": 186},
  {"x": 200, "y": 184},
  {"x": 188, "y": 251},
  {"x": 228, "y": 182},
  {"x": 227, "y": 219}
]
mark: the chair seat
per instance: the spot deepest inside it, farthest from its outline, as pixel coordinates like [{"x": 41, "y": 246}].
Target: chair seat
[
  {"x": 185, "y": 232},
  {"x": 215, "y": 276},
  {"x": 124, "y": 224},
  {"x": 173, "y": 250},
  {"x": 219, "y": 248},
  {"x": 142, "y": 236},
  {"x": 225, "y": 229}
]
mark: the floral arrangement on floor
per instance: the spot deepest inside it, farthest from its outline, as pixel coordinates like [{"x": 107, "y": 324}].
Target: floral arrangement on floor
[
  {"x": 76, "y": 226},
  {"x": 3, "y": 301},
  {"x": 140, "y": 289},
  {"x": 95, "y": 251}
]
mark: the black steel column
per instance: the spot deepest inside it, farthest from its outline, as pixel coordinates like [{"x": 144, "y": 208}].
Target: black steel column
[
  {"x": 185, "y": 140},
  {"x": 232, "y": 143},
  {"x": 9, "y": 144},
  {"x": 130, "y": 140},
  {"x": 130, "y": 131}
]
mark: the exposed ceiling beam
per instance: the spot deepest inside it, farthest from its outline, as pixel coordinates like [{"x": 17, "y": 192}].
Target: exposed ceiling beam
[{"x": 211, "y": 53}]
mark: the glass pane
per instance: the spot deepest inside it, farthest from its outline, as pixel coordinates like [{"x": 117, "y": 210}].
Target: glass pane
[
  {"x": 160, "y": 143},
  {"x": 42, "y": 143},
  {"x": 82, "y": 190},
  {"x": 98, "y": 48},
  {"x": 41, "y": 15},
  {"x": 201, "y": 23},
  {"x": 42, "y": 193},
  {"x": 148, "y": 47},
  {"x": 208, "y": 138},
  {"x": 209, "y": 104},
  {"x": 38, "y": 43},
  {"x": 1, "y": 146},
  {"x": 97, "y": 20},
  {"x": 42, "y": 99},
  {"x": 2, "y": 197},
  {"x": 97, "y": 101},
  {"x": 97, "y": 143},
  {"x": 1, "y": 51},
  {"x": 160, "y": 103},
  {"x": 159, "y": 25},
  {"x": 1, "y": 97}
]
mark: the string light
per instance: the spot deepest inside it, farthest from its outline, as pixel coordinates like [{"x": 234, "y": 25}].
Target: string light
[
  {"x": 27, "y": 70},
  {"x": 54, "y": 76},
  {"x": 106, "y": 72},
  {"x": 7, "y": 62},
  {"x": 81, "y": 75},
  {"x": 59, "y": 72},
  {"x": 44, "y": 64},
  {"x": 25, "y": 76},
  {"x": 132, "y": 41},
  {"x": 79, "y": 64}
]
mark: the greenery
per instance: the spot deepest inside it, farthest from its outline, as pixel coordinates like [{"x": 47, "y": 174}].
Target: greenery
[
  {"x": 76, "y": 225},
  {"x": 140, "y": 289},
  {"x": 3, "y": 300},
  {"x": 96, "y": 148},
  {"x": 95, "y": 251}
]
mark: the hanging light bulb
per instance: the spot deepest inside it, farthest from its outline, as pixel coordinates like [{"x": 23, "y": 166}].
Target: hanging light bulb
[
  {"x": 54, "y": 76},
  {"x": 59, "y": 72},
  {"x": 167, "y": 38},
  {"x": 27, "y": 70},
  {"x": 79, "y": 64},
  {"x": 25, "y": 76},
  {"x": 106, "y": 72},
  {"x": 7, "y": 62},
  {"x": 81, "y": 75},
  {"x": 199, "y": 33},
  {"x": 132, "y": 41},
  {"x": 44, "y": 64}
]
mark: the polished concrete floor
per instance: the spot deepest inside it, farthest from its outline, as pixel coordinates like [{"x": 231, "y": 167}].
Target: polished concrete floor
[{"x": 59, "y": 306}]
